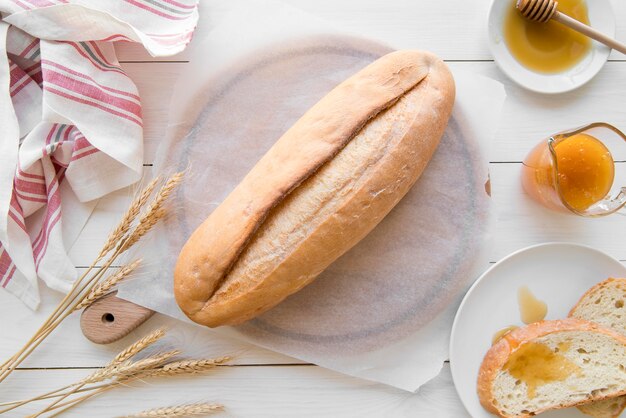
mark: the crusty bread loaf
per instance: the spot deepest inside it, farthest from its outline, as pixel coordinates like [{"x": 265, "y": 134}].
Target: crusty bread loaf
[
  {"x": 326, "y": 183},
  {"x": 604, "y": 305},
  {"x": 552, "y": 365}
]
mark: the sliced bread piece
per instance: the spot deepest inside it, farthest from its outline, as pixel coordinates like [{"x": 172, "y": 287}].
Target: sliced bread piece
[
  {"x": 552, "y": 365},
  {"x": 607, "y": 408},
  {"x": 604, "y": 305}
]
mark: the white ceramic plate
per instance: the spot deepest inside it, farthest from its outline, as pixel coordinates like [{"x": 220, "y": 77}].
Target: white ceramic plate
[
  {"x": 601, "y": 17},
  {"x": 557, "y": 273}
]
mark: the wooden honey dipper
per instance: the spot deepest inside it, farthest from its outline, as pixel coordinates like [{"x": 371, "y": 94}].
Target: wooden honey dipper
[{"x": 544, "y": 10}]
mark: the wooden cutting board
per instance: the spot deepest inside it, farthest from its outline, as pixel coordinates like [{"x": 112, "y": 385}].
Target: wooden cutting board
[{"x": 110, "y": 318}]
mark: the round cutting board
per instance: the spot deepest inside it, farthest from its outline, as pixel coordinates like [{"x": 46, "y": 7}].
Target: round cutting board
[{"x": 415, "y": 262}]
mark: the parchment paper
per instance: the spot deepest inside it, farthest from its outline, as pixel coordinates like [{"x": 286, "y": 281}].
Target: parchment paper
[{"x": 384, "y": 310}]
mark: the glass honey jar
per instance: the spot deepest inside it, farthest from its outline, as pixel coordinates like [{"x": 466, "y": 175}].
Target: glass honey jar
[{"x": 575, "y": 171}]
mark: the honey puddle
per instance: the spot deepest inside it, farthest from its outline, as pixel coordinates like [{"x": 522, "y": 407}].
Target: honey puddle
[
  {"x": 531, "y": 309},
  {"x": 535, "y": 364},
  {"x": 501, "y": 333}
]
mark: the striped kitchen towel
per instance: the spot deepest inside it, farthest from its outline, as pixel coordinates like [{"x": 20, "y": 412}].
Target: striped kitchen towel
[{"x": 71, "y": 122}]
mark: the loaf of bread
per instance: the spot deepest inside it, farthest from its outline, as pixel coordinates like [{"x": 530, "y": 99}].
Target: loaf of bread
[
  {"x": 552, "y": 365},
  {"x": 604, "y": 304},
  {"x": 323, "y": 186}
]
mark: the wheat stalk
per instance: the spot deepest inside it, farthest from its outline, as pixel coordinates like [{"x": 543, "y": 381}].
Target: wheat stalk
[
  {"x": 124, "y": 236},
  {"x": 75, "y": 402},
  {"x": 122, "y": 375},
  {"x": 186, "y": 367},
  {"x": 146, "y": 225},
  {"x": 121, "y": 358},
  {"x": 154, "y": 212},
  {"x": 129, "y": 217},
  {"x": 191, "y": 410},
  {"x": 105, "y": 286},
  {"x": 171, "y": 369},
  {"x": 115, "y": 236},
  {"x": 126, "y": 372},
  {"x": 128, "y": 368},
  {"x": 121, "y": 371},
  {"x": 139, "y": 346}
]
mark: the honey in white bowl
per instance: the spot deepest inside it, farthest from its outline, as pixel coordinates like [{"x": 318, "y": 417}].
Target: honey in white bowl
[{"x": 547, "y": 47}]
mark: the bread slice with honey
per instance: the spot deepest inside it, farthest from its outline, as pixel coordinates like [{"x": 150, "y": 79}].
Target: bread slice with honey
[
  {"x": 604, "y": 305},
  {"x": 552, "y": 365}
]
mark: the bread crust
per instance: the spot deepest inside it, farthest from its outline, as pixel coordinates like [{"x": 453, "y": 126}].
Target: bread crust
[
  {"x": 499, "y": 353},
  {"x": 214, "y": 248},
  {"x": 591, "y": 291}
]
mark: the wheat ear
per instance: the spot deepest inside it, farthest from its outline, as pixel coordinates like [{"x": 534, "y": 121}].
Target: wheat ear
[
  {"x": 139, "y": 346},
  {"x": 186, "y": 367},
  {"x": 153, "y": 213},
  {"x": 128, "y": 368},
  {"x": 191, "y": 410},
  {"x": 107, "y": 285},
  {"x": 127, "y": 220}
]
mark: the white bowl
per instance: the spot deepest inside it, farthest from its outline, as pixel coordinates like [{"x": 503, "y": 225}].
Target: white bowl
[
  {"x": 556, "y": 273},
  {"x": 601, "y": 17}
]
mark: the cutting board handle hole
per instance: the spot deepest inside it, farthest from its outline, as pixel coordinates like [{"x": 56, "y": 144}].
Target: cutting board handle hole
[{"x": 108, "y": 318}]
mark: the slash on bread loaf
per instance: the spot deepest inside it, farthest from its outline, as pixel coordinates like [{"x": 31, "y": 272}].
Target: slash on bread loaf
[
  {"x": 323, "y": 186},
  {"x": 552, "y": 365},
  {"x": 604, "y": 304}
]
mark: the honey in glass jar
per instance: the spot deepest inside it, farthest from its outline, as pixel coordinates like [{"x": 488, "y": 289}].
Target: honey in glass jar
[{"x": 574, "y": 171}]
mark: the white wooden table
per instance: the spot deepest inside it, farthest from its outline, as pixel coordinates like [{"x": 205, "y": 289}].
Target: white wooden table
[{"x": 263, "y": 383}]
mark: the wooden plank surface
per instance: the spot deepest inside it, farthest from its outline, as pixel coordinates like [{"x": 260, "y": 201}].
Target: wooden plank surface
[
  {"x": 263, "y": 383},
  {"x": 527, "y": 118},
  {"x": 454, "y": 29},
  {"x": 67, "y": 347},
  {"x": 521, "y": 222},
  {"x": 256, "y": 391}
]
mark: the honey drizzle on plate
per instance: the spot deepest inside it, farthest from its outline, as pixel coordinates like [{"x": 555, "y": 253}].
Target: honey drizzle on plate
[
  {"x": 497, "y": 336},
  {"x": 531, "y": 309}
]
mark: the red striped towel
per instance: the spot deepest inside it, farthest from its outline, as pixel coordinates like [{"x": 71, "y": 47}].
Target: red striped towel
[{"x": 71, "y": 122}]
